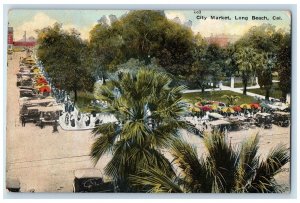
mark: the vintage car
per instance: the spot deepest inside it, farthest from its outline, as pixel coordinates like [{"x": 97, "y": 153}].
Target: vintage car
[
  {"x": 263, "y": 120},
  {"x": 38, "y": 102},
  {"x": 91, "y": 180},
  {"x": 13, "y": 185},
  {"x": 49, "y": 114},
  {"x": 41, "y": 115},
  {"x": 221, "y": 125},
  {"x": 282, "y": 119},
  {"x": 278, "y": 106},
  {"x": 27, "y": 92},
  {"x": 215, "y": 116}
]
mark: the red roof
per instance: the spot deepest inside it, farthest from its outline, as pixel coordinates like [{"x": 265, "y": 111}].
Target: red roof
[{"x": 25, "y": 44}]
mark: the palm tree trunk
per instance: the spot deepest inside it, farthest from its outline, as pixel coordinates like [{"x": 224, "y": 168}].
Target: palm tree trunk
[
  {"x": 75, "y": 95},
  {"x": 267, "y": 96}
]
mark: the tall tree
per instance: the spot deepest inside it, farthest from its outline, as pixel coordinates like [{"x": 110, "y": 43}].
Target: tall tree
[
  {"x": 245, "y": 60},
  {"x": 147, "y": 113},
  {"x": 143, "y": 35},
  {"x": 284, "y": 64},
  {"x": 265, "y": 65},
  {"x": 105, "y": 48},
  {"x": 276, "y": 43},
  {"x": 62, "y": 54}
]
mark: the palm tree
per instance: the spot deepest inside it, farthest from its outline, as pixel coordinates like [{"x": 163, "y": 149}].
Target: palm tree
[
  {"x": 265, "y": 65},
  {"x": 232, "y": 99},
  {"x": 147, "y": 113},
  {"x": 224, "y": 169},
  {"x": 245, "y": 59}
]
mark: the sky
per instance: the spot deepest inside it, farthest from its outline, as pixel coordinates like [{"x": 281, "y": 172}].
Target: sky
[{"x": 84, "y": 20}]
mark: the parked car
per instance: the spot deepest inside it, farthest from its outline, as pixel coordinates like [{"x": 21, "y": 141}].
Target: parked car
[
  {"x": 13, "y": 185},
  {"x": 91, "y": 180},
  {"x": 263, "y": 120},
  {"x": 282, "y": 119},
  {"x": 28, "y": 93}
]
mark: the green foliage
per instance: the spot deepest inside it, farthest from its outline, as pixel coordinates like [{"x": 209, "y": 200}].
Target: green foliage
[
  {"x": 62, "y": 54},
  {"x": 284, "y": 64},
  {"x": 273, "y": 49},
  {"x": 231, "y": 99},
  {"x": 142, "y": 35},
  {"x": 275, "y": 92},
  {"x": 147, "y": 112},
  {"x": 223, "y": 169},
  {"x": 245, "y": 59},
  {"x": 208, "y": 64},
  {"x": 217, "y": 96}
]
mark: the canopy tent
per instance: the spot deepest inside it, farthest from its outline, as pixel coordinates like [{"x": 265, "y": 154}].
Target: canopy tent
[
  {"x": 45, "y": 88},
  {"x": 215, "y": 115},
  {"x": 214, "y": 107},
  {"x": 263, "y": 114},
  {"x": 282, "y": 113},
  {"x": 41, "y": 80},
  {"x": 38, "y": 101},
  {"x": 228, "y": 110},
  {"x": 265, "y": 105},
  {"x": 47, "y": 108},
  {"x": 245, "y": 106},
  {"x": 36, "y": 71},
  {"x": 237, "y": 109},
  {"x": 255, "y": 106},
  {"x": 219, "y": 122},
  {"x": 194, "y": 109},
  {"x": 198, "y": 104},
  {"x": 206, "y": 108}
]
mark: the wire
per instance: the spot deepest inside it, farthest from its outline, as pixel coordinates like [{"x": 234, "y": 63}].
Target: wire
[
  {"x": 46, "y": 165},
  {"x": 78, "y": 156}
]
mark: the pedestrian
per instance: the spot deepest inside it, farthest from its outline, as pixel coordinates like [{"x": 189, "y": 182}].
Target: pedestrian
[
  {"x": 72, "y": 119},
  {"x": 23, "y": 120},
  {"x": 67, "y": 117},
  {"x": 86, "y": 120},
  {"x": 55, "y": 127}
]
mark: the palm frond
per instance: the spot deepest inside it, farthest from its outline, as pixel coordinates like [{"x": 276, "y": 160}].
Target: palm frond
[
  {"x": 104, "y": 143},
  {"x": 221, "y": 159},
  {"x": 156, "y": 181},
  {"x": 267, "y": 169}
]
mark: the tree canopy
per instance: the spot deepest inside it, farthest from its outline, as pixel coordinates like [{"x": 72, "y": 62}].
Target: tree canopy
[{"x": 63, "y": 56}]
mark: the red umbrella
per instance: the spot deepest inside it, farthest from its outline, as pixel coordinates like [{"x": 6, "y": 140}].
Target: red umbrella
[
  {"x": 198, "y": 104},
  {"x": 237, "y": 108},
  {"x": 42, "y": 83},
  {"x": 206, "y": 108},
  {"x": 255, "y": 106},
  {"x": 45, "y": 89},
  {"x": 42, "y": 80}
]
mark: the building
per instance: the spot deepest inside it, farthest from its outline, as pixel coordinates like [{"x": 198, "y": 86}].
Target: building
[
  {"x": 222, "y": 40},
  {"x": 25, "y": 42},
  {"x": 10, "y": 37}
]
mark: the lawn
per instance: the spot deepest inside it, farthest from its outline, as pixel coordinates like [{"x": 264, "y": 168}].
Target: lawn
[
  {"x": 237, "y": 84},
  {"x": 84, "y": 101},
  {"x": 275, "y": 93},
  {"x": 217, "y": 96},
  {"x": 84, "y": 98}
]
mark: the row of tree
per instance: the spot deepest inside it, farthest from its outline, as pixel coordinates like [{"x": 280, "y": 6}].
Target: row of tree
[{"x": 149, "y": 37}]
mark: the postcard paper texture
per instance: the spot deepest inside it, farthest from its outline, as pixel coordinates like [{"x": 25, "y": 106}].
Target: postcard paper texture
[{"x": 139, "y": 101}]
